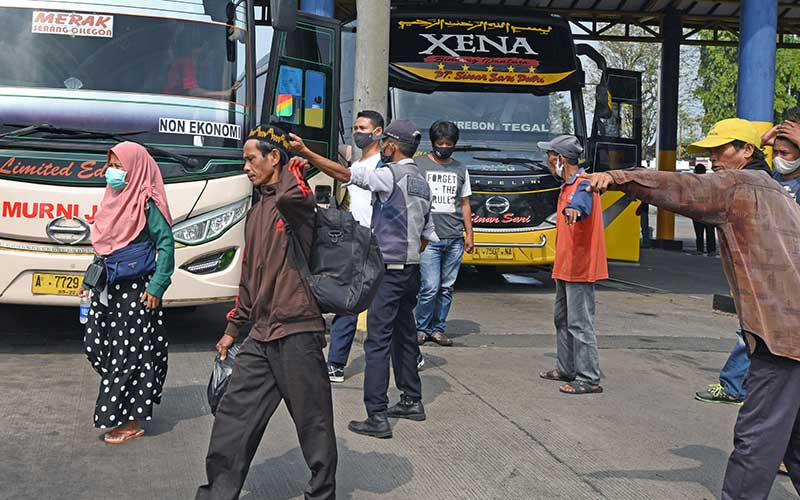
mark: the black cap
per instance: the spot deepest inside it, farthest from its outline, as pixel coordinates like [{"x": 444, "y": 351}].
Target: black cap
[
  {"x": 273, "y": 135},
  {"x": 402, "y": 130}
]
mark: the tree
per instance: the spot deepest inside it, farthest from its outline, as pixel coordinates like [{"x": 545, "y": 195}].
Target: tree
[{"x": 718, "y": 72}]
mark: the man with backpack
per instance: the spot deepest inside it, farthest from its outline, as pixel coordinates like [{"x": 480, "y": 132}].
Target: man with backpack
[
  {"x": 282, "y": 358},
  {"x": 402, "y": 224}
]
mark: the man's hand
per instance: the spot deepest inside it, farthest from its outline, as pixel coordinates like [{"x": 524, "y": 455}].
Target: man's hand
[
  {"x": 768, "y": 139},
  {"x": 297, "y": 146},
  {"x": 469, "y": 244},
  {"x": 571, "y": 215},
  {"x": 223, "y": 345},
  {"x": 598, "y": 182},
  {"x": 791, "y": 130},
  {"x": 150, "y": 301}
]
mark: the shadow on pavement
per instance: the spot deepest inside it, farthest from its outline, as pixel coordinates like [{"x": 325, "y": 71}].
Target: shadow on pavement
[
  {"x": 177, "y": 404},
  {"x": 709, "y": 473},
  {"x": 378, "y": 473}
]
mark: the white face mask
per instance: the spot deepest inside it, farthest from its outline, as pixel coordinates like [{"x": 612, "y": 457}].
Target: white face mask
[
  {"x": 785, "y": 167},
  {"x": 560, "y": 168}
]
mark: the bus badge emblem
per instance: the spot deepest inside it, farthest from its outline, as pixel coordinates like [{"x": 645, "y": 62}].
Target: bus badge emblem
[
  {"x": 68, "y": 231},
  {"x": 497, "y": 204}
]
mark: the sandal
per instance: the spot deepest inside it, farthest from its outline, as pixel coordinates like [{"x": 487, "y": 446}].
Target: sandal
[
  {"x": 580, "y": 387},
  {"x": 555, "y": 375},
  {"x": 122, "y": 437}
]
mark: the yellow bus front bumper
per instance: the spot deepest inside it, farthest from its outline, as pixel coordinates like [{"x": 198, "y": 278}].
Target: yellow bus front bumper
[{"x": 528, "y": 248}]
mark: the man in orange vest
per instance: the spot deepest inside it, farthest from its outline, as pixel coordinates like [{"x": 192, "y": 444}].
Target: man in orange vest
[{"x": 580, "y": 262}]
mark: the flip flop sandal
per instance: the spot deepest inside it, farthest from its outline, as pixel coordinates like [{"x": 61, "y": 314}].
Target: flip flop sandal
[
  {"x": 120, "y": 438},
  {"x": 582, "y": 388},
  {"x": 554, "y": 375}
]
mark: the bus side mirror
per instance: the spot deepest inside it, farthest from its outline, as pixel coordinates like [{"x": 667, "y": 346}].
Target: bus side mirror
[
  {"x": 602, "y": 99},
  {"x": 283, "y": 14}
]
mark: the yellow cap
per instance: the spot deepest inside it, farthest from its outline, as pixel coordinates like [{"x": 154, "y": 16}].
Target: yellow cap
[{"x": 725, "y": 131}]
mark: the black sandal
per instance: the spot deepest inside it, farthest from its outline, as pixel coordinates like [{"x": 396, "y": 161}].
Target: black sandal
[
  {"x": 581, "y": 387},
  {"x": 554, "y": 375}
]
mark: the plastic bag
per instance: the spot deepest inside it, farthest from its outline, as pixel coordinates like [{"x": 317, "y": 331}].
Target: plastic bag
[{"x": 220, "y": 376}]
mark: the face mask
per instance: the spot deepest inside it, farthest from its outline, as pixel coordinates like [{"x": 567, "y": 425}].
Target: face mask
[
  {"x": 442, "y": 153},
  {"x": 560, "y": 168},
  {"x": 115, "y": 177},
  {"x": 785, "y": 167},
  {"x": 386, "y": 158},
  {"x": 363, "y": 139}
]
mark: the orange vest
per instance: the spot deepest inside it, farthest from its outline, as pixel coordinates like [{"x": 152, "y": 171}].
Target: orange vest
[{"x": 581, "y": 247}]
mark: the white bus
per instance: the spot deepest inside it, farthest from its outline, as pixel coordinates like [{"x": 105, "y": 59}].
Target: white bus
[{"x": 177, "y": 77}]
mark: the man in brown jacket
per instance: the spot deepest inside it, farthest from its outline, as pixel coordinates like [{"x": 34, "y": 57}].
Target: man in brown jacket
[
  {"x": 759, "y": 229},
  {"x": 282, "y": 357}
]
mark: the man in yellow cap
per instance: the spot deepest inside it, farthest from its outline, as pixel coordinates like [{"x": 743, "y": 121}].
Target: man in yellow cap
[
  {"x": 732, "y": 154},
  {"x": 759, "y": 228}
]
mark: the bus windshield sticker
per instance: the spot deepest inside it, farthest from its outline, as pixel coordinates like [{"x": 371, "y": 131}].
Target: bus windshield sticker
[
  {"x": 283, "y": 105},
  {"x": 199, "y": 127},
  {"x": 72, "y": 24}
]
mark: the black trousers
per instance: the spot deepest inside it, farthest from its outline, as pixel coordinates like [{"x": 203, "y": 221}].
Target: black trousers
[
  {"x": 710, "y": 237},
  {"x": 767, "y": 429},
  {"x": 291, "y": 369},
  {"x": 392, "y": 331}
]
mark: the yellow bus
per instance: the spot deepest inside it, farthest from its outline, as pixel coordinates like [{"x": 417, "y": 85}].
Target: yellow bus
[{"x": 508, "y": 82}]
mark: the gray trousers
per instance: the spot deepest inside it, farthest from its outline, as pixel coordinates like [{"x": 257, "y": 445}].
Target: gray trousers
[
  {"x": 576, "y": 340},
  {"x": 767, "y": 429}
]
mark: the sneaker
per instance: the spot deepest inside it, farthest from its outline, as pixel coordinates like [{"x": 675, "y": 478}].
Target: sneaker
[
  {"x": 420, "y": 361},
  {"x": 335, "y": 373},
  {"x": 715, "y": 393}
]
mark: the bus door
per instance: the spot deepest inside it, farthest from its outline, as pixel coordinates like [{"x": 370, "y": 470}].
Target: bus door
[
  {"x": 302, "y": 89},
  {"x": 616, "y": 143}
]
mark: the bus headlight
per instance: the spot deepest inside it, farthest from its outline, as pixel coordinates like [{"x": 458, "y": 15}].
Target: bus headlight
[{"x": 210, "y": 225}]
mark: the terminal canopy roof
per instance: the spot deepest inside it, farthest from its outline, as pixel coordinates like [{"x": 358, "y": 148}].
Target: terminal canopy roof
[{"x": 641, "y": 19}]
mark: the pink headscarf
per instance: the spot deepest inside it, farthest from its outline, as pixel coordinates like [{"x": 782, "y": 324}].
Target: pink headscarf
[{"x": 121, "y": 216}]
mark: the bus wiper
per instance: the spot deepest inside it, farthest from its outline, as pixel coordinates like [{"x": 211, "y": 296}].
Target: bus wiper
[
  {"x": 534, "y": 165},
  {"x": 189, "y": 164}
]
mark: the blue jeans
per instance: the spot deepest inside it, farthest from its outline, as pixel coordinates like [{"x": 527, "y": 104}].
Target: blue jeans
[
  {"x": 438, "y": 265},
  {"x": 734, "y": 372},
  {"x": 343, "y": 330}
]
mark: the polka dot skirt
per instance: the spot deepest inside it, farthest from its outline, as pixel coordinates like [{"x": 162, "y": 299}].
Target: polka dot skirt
[{"x": 126, "y": 344}]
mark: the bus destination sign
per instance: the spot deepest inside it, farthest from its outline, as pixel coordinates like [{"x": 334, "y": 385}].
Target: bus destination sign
[{"x": 534, "y": 55}]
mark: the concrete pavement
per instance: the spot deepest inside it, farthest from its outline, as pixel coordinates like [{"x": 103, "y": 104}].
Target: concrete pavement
[{"x": 494, "y": 429}]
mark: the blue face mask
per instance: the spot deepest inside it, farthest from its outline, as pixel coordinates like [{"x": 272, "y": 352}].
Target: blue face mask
[{"x": 115, "y": 178}]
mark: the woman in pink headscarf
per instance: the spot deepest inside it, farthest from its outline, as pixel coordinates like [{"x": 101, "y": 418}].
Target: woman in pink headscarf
[{"x": 125, "y": 336}]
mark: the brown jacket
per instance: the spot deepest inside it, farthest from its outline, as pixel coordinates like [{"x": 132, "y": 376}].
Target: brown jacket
[
  {"x": 273, "y": 295},
  {"x": 759, "y": 229}
]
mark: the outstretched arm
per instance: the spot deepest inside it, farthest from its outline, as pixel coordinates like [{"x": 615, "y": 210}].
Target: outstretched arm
[{"x": 704, "y": 198}]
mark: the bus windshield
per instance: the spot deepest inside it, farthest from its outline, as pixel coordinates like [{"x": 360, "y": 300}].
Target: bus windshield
[
  {"x": 180, "y": 81},
  {"x": 500, "y": 130}
]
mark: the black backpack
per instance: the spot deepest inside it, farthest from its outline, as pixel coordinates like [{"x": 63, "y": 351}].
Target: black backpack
[{"x": 346, "y": 265}]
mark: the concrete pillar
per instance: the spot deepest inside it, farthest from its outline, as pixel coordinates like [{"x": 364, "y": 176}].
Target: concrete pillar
[
  {"x": 671, "y": 32},
  {"x": 755, "y": 94},
  {"x": 371, "y": 78},
  {"x": 319, "y": 7}
]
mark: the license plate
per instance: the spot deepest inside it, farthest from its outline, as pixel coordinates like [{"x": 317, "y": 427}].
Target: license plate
[
  {"x": 56, "y": 283},
  {"x": 495, "y": 253}
]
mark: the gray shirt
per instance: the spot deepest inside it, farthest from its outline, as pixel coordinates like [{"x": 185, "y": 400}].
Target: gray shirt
[
  {"x": 380, "y": 181},
  {"x": 449, "y": 184}
]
